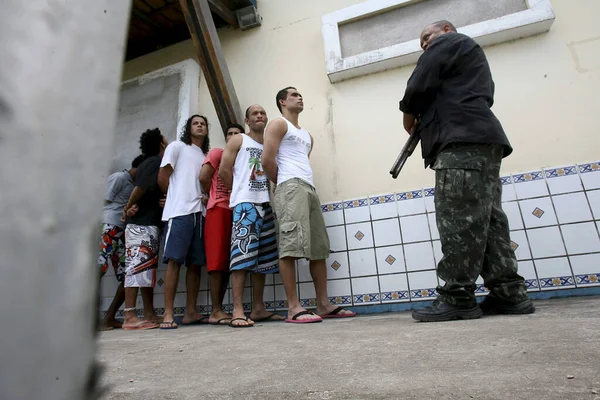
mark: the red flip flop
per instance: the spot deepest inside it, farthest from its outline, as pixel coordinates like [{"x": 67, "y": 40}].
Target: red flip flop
[
  {"x": 295, "y": 320},
  {"x": 140, "y": 326},
  {"x": 336, "y": 314}
]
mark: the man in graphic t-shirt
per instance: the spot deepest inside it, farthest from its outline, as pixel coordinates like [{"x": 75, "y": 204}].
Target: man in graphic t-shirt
[{"x": 217, "y": 237}]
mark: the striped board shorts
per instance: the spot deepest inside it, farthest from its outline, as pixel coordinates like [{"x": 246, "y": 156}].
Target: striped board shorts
[{"x": 254, "y": 239}]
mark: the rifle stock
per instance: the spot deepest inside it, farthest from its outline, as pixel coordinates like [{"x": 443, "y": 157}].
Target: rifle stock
[{"x": 407, "y": 150}]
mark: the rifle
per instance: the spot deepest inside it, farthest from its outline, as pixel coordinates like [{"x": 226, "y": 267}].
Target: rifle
[{"x": 407, "y": 150}]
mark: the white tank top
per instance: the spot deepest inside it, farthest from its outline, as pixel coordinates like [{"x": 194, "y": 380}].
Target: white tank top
[
  {"x": 250, "y": 183},
  {"x": 292, "y": 157}
]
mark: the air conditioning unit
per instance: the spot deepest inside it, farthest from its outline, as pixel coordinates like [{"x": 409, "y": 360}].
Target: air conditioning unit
[{"x": 248, "y": 17}]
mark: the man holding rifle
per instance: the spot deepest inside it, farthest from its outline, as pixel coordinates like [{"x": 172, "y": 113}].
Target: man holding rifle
[{"x": 450, "y": 94}]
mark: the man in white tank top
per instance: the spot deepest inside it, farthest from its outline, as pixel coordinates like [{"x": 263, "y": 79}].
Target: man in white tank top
[
  {"x": 254, "y": 236},
  {"x": 302, "y": 232}
]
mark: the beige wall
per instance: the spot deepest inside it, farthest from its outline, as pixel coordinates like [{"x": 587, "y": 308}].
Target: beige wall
[{"x": 546, "y": 95}]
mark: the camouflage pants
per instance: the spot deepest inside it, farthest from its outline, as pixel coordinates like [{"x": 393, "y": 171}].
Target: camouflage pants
[{"x": 473, "y": 228}]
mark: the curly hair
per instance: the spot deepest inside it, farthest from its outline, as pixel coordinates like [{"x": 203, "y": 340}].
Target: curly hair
[
  {"x": 150, "y": 142},
  {"x": 186, "y": 133},
  {"x": 138, "y": 160}
]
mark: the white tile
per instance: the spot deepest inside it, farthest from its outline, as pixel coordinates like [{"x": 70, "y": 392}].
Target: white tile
[
  {"x": 581, "y": 238},
  {"x": 530, "y": 184},
  {"x": 390, "y": 259},
  {"x": 554, "y": 273},
  {"x": 386, "y": 232},
  {"x": 520, "y": 245},
  {"x": 180, "y": 299},
  {"x": 527, "y": 271},
  {"x": 303, "y": 269},
  {"x": 356, "y": 210},
  {"x": 337, "y": 238},
  {"x": 512, "y": 211},
  {"x": 307, "y": 290},
  {"x": 422, "y": 285},
  {"x": 203, "y": 296},
  {"x": 280, "y": 293},
  {"x": 270, "y": 279},
  {"x": 409, "y": 203},
  {"x": 594, "y": 201},
  {"x": 429, "y": 200},
  {"x": 435, "y": 234},
  {"x": 269, "y": 293},
  {"x": 365, "y": 290},
  {"x": 508, "y": 189},
  {"x": 337, "y": 265},
  {"x": 383, "y": 206},
  {"x": 563, "y": 179},
  {"x": 334, "y": 217},
  {"x": 546, "y": 242},
  {"x": 339, "y": 287},
  {"x": 538, "y": 212},
  {"x": 415, "y": 228},
  {"x": 394, "y": 288},
  {"x": 572, "y": 207},
  {"x": 590, "y": 175},
  {"x": 359, "y": 236},
  {"x": 437, "y": 251},
  {"x": 181, "y": 284},
  {"x": 586, "y": 264},
  {"x": 419, "y": 256},
  {"x": 362, "y": 262}
]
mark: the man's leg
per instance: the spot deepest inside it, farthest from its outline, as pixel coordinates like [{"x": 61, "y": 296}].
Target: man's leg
[
  {"x": 110, "y": 320},
  {"x": 218, "y": 287},
  {"x": 112, "y": 254},
  {"x": 192, "y": 283},
  {"x": 463, "y": 201},
  {"x": 148, "y": 298},
  {"x": 259, "y": 313},
  {"x": 171, "y": 282},
  {"x": 238, "y": 281},
  {"x": 217, "y": 243}
]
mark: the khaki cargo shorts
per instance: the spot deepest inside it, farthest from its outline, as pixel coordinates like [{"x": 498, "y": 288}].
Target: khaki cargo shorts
[{"x": 301, "y": 226}]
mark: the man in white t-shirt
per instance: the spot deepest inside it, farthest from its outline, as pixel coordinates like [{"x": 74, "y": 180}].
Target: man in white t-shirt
[{"x": 184, "y": 211}]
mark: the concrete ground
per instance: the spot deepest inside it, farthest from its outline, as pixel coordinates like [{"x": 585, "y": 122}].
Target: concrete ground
[{"x": 553, "y": 354}]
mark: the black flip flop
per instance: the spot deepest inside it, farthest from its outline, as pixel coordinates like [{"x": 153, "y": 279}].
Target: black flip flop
[{"x": 239, "y": 326}]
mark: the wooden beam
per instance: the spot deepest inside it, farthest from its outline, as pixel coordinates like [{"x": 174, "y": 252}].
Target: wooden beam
[
  {"x": 223, "y": 11},
  {"x": 210, "y": 56}
]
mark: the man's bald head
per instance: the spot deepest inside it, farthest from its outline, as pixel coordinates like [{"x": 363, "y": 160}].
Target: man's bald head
[{"x": 434, "y": 30}]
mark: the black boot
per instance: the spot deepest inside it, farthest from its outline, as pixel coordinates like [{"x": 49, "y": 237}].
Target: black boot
[
  {"x": 493, "y": 305},
  {"x": 440, "y": 311}
]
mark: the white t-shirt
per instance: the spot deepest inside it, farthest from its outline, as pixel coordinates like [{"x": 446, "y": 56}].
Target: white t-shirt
[
  {"x": 184, "y": 196},
  {"x": 250, "y": 183},
  {"x": 292, "y": 157}
]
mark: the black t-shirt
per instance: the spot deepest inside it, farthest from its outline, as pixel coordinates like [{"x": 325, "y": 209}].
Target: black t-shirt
[
  {"x": 149, "y": 212},
  {"x": 451, "y": 92}
]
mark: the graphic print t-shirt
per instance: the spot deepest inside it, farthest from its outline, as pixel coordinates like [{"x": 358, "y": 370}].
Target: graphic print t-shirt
[{"x": 250, "y": 183}]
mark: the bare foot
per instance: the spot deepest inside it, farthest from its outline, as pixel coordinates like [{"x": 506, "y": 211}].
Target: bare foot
[
  {"x": 134, "y": 323},
  {"x": 331, "y": 308},
  {"x": 153, "y": 318},
  {"x": 292, "y": 312},
  {"x": 219, "y": 315},
  {"x": 110, "y": 324},
  {"x": 265, "y": 316},
  {"x": 194, "y": 318},
  {"x": 240, "y": 320}
]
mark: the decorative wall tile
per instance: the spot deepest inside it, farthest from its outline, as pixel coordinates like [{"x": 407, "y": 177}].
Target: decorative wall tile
[
  {"x": 415, "y": 228},
  {"x": 590, "y": 175},
  {"x": 594, "y": 201},
  {"x": 337, "y": 238},
  {"x": 546, "y": 242},
  {"x": 512, "y": 211},
  {"x": 508, "y": 189},
  {"x": 337, "y": 265},
  {"x": 429, "y": 203},
  {"x": 586, "y": 269},
  {"x": 520, "y": 245},
  {"x": 581, "y": 238},
  {"x": 365, "y": 290},
  {"x": 563, "y": 179},
  {"x": 333, "y": 214},
  {"x": 359, "y": 236},
  {"x": 437, "y": 251},
  {"x": 269, "y": 297},
  {"x": 339, "y": 292},
  {"x": 394, "y": 288},
  {"x": 530, "y": 184},
  {"x": 435, "y": 234},
  {"x": 383, "y": 206},
  {"x": 422, "y": 285},
  {"x": 419, "y": 256},
  {"x": 356, "y": 210},
  {"x": 362, "y": 262},
  {"x": 409, "y": 203},
  {"x": 390, "y": 260},
  {"x": 554, "y": 273},
  {"x": 303, "y": 270},
  {"x": 538, "y": 212},
  {"x": 572, "y": 207},
  {"x": 307, "y": 294},
  {"x": 386, "y": 232},
  {"x": 480, "y": 289},
  {"x": 527, "y": 271}
]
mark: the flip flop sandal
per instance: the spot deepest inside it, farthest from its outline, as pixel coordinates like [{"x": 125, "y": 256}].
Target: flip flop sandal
[
  {"x": 239, "y": 326},
  {"x": 269, "y": 318},
  {"x": 336, "y": 314},
  {"x": 220, "y": 322},
  {"x": 169, "y": 325},
  {"x": 140, "y": 326},
  {"x": 295, "y": 320}
]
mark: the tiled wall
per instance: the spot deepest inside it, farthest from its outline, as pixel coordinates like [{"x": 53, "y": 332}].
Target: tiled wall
[{"x": 385, "y": 247}]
